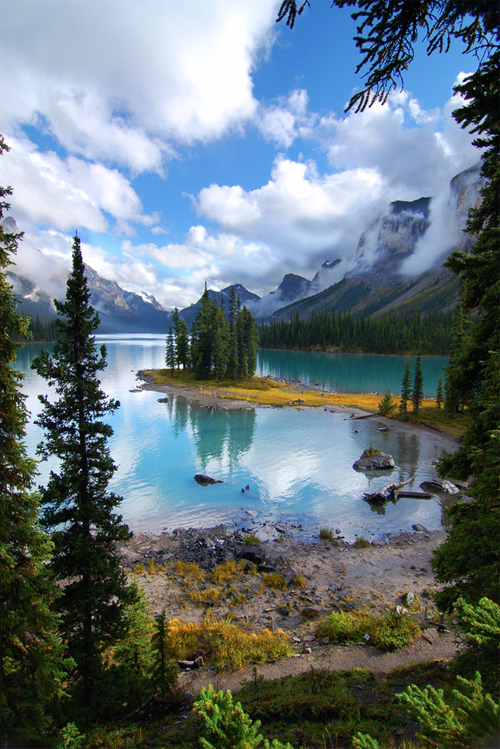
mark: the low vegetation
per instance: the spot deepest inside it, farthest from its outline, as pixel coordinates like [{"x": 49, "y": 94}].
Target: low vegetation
[
  {"x": 224, "y": 643},
  {"x": 389, "y": 632}
]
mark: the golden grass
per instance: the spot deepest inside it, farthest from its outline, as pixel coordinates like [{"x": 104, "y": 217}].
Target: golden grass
[{"x": 266, "y": 392}]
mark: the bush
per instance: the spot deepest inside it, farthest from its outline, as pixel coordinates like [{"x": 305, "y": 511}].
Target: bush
[
  {"x": 387, "y": 633},
  {"x": 226, "y": 726}
]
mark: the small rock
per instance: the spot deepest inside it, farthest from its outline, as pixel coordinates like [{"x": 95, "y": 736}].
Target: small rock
[
  {"x": 204, "y": 480},
  {"x": 430, "y": 635},
  {"x": 410, "y": 596},
  {"x": 419, "y": 528}
]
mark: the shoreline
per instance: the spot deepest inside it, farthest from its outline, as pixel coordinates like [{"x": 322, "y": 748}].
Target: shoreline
[
  {"x": 213, "y": 399},
  {"x": 376, "y": 578}
]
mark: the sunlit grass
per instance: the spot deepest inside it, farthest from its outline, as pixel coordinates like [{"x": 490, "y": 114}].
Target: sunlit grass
[{"x": 266, "y": 392}]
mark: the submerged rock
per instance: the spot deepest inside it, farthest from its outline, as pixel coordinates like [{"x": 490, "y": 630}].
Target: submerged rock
[
  {"x": 204, "y": 480},
  {"x": 374, "y": 460}
]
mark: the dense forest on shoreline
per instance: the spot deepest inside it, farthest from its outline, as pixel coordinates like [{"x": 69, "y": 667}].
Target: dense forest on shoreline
[{"x": 394, "y": 334}]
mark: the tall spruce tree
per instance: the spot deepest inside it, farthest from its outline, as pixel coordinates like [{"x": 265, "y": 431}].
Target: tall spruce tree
[
  {"x": 405, "y": 388},
  {"x": 78, "y": 508},
  {"x": 417, "y": 393},
  {"x": 31, "y": 663}
]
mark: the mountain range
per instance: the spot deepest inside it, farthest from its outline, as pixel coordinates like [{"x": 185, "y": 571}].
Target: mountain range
[{"x": 398, "y": 265}]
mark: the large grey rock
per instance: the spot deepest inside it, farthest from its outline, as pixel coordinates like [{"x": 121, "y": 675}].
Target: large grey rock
[{"x": 374, "y": 461}]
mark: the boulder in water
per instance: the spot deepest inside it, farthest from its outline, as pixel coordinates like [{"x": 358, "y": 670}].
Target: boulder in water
[{"x": 374, "y": 460}]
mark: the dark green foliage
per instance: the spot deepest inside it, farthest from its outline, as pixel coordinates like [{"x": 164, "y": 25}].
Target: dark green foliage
[
  {"x": 343, "y": 331},
  {"x": 170, "y": 350},
  {"x": 77, "y": 507},
  {"x": 405, "y": 388},
  {"x": 164, "y": 668},
  {"x": 417, "y": 393},
  {"x": 471, "y": 722},
  {"x": 220, "y": 347},
  {"x": 181, "y": 341},
  {"x": 31, "y": 662}
]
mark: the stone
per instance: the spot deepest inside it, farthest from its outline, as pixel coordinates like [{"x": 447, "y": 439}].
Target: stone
[
  {"x": 374, "y": 461},
  {"x": 204, "y": 480},
  {"x": 439, "y": 486},
  {"x": 419, "y": 528},
  {"x": 430, "y": 635}
]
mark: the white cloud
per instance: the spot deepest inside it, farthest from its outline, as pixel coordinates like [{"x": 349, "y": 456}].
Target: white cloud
[
  {"x": 414, "y": 151},
  {"x": 285, "y": 122},
  {"x": 117, "y": 82},
  {"x": 68, "y": 193}
]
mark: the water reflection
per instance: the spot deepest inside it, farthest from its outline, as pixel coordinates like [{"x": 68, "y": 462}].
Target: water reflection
[{"x": 296, "y": 463}]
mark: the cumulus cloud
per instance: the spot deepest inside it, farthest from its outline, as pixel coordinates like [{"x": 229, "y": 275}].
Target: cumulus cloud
[
  {"x": 68, "y": 193},
  {"x": 304, "y": 217},
  {"x": 284, "y": 122},
  {"x": 123, "y": 86},
  {"x": 413, "y": 150}
]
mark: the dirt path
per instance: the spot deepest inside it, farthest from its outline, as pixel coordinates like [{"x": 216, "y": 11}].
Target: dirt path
[{"x": 329, "y": 657}]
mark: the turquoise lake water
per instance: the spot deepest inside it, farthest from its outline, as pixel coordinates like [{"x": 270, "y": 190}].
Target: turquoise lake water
[{"x": 297, "y": 463}]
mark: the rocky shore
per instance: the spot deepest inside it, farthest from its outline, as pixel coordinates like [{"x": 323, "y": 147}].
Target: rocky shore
[{"x": 177, "y": 571}]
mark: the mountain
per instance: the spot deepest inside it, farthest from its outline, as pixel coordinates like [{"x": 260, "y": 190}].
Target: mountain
[
  {"x": 398, "y": 264},
  {"x": 291, "y": 288},
  {"x": 119, "y": 311},
  {"x": 246, "y": 298},
  {"x": 123, "y": 311}
]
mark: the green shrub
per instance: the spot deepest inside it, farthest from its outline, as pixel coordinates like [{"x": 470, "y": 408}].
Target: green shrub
[
  {"x": 226, "y": 726},
  {"x": 387, "y": 633},
  {"x": 275, "y": 580}
]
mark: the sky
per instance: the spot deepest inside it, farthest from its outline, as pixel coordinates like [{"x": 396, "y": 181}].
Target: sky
[{"x": 200, "y": 141}]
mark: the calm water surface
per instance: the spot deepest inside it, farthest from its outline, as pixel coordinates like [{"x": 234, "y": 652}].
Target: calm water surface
[{"x": 297, "y": 463}]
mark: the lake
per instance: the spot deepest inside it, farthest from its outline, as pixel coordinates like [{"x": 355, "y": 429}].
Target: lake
[{"x": 297, "y": 463}]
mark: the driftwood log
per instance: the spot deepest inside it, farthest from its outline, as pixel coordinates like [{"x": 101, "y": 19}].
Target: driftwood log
[{"x": 387, "y": 492}]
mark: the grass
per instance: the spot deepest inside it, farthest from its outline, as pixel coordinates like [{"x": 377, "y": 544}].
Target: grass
[
  {"x": 264, "y": 391},
  {"x": 326, "y": 534},
  {"x": 389, "y": 632},
  {"x": 361, "y": 543},
  {"x": 226, "y": 643}
]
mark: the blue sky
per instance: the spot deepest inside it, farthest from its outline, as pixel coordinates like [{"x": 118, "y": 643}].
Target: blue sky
[{"x": 200, "y": 141}]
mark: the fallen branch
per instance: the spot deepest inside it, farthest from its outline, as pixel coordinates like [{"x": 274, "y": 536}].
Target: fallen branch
[{"x": 387, "y": 492}]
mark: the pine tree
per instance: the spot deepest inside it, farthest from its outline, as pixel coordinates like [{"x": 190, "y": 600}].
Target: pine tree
[
  {"x": 77, "y": 506},
  {"x": 439, "y": 393},
  {"x": 31, "y": 663},
  {"x": 232, "y": 364},
  {"x": 386, "y": 406},
  {"x": 202, "y": 344},
  {"x": 417, "y": 392},
  {"x": 170, "y": 350},
  {"x": 405, "y": 388},
  {"x": 220, "y": 342}
]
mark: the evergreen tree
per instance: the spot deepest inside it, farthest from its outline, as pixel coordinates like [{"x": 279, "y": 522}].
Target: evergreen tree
[
  {"x": 181, "y": 340},
  {"x": 247, "y": 344},
  {"x": 220, "y": 342},
  {"x": 165, "y": 668},
  {"x": 233, "y": 363},
  {"x": 439, "y": 392},
  {"x": 387, "y": 406},
  {"x": 417, "y": 392},
  {"x": 170, "y": 350},
  {"x": 405, "y": 388},
  {"x": 203, "y": 338},
  {"x": 77, "y": 506},
  {"x": 31, "y": 662}
]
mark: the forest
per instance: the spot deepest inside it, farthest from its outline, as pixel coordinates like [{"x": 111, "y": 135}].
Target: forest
[{"x": 342, "y": 331}]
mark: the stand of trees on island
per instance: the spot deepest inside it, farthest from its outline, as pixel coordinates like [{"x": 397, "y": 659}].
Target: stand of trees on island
[
  {"x": 219, "y": 346},
  {"x": 392, "y": 334}
]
